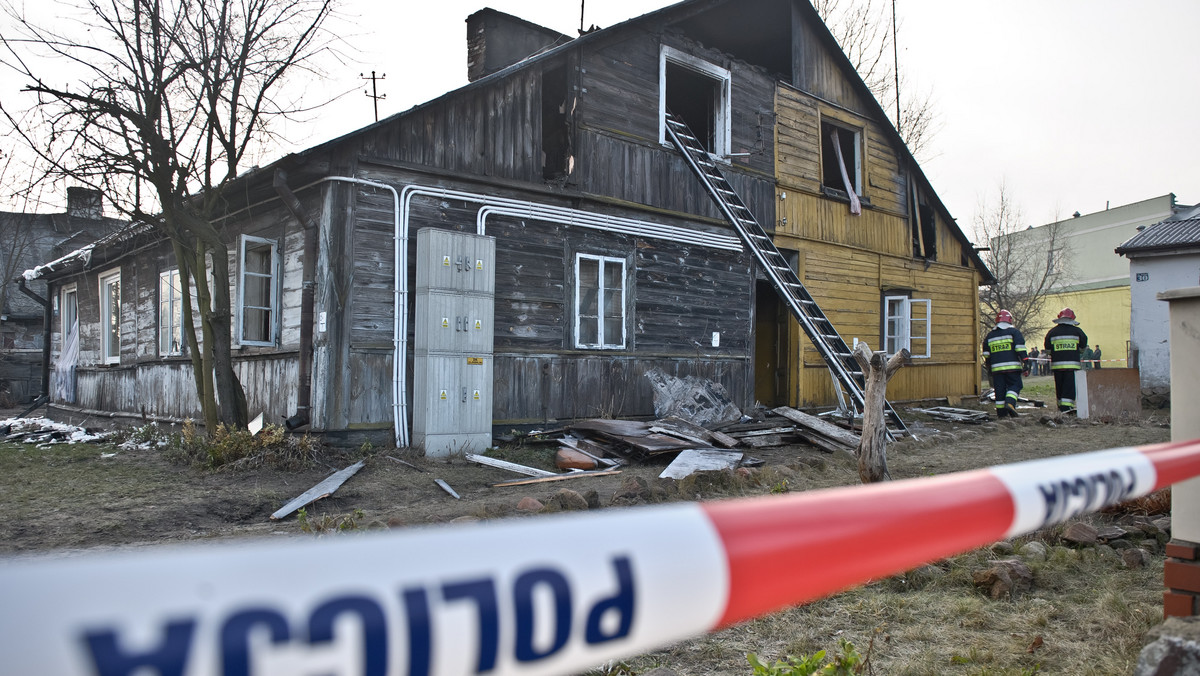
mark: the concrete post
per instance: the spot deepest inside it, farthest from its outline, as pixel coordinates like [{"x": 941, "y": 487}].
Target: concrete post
[{"x": 1181, "y": 574}]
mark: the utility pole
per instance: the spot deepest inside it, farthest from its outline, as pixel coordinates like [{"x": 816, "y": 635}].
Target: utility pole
[
  {"x": 896, "y": 68},
  {"x": 374, "y": 94}
]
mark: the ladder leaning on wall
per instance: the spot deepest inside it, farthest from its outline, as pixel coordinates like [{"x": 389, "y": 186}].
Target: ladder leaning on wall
[{"x": 820, "y": 331}]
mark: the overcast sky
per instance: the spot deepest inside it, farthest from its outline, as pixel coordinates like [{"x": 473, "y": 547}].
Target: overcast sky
[{"x": 1074, "y": 104}]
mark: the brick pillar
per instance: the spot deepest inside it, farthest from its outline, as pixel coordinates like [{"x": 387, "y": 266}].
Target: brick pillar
[{"x": 1181, "y": 573}]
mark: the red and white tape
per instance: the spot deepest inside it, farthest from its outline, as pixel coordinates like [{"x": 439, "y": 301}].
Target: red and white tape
[{"x": 548, "y": 595}]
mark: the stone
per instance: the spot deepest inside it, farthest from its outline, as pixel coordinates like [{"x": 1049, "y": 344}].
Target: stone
[
  {"x": 1107, "y": 553},
  {"x": 1121, "y": 544},
  {"x": 528, "y": 504},
  {"x": 1164, "y": 525},
  {"x": 1173, "y": 648},
  {"x": 567, "y": 500},
  {"x": 1135, "y": 558},
  {"x": 1006, "y": 578},
  {"x": 466, "y": 518},
  {"x": 1034, "y": 551},
  {"x": 1080, "y": 533},
  {"x": 632, "y": 491},
  {"x": 1003, "y": 548},
  {"x": 1110, "y": 533},
  {"x": 593, "y": 499}
]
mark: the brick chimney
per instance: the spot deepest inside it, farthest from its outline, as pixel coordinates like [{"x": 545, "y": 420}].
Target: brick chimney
[
  {"x": 85, "y": 203},
  {"x": 496, "y": 40}
]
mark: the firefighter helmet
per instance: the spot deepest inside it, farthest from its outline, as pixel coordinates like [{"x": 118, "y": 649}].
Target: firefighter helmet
[
  {"x": 1067, "y": 313},
  {"x": 1004, "y": 316}
]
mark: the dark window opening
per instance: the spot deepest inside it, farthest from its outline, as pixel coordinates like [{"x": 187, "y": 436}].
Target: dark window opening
[
  {"x": 831, "y": 168},
  {"x": 692, "y": 97},
  {"x": 929, "y": 231},
  {"x": 556, "y": 133}
]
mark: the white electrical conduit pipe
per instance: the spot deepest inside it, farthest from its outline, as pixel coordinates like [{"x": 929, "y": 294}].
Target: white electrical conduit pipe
[{"x": 519, "y": 208}]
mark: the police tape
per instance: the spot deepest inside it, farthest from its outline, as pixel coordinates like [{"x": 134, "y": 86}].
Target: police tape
[{"x": 548, "y": 595}]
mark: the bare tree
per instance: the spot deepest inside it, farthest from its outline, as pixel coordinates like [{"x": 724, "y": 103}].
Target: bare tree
[
  {"x": 1028, "y": 263},
  {"x": 864, "y": 30},
  {"x": 167, "y": 102}
]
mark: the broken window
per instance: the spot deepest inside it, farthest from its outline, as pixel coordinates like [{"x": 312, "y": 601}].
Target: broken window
[
  {"x": 841, "y": 161},
  {"x": 110, "y": 317},
  {"x": 69, "y": 310},
  {"x": 170, "y": 313},
  {"x": 906, "y": 324},
  {"x": 257, "y": 291},
  {"x": 599, "y": 302},
  {"x": 924, "y": 226},
  {"x": 696, "y": 92},
  {"x": 556, "y": 137}
]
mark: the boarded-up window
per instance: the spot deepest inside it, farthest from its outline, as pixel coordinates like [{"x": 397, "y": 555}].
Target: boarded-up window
[
  {"x": 599, "y": 302},
  {"x": 257, "y": 291},
  {"x": 906, "y": 324},
  {"x": 110, "y": 317}
]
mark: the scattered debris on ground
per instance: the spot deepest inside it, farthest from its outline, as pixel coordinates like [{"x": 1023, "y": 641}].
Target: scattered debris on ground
[
  {"x": 46, "y": 431},
  {"x": 958, "y": 415},
  {"x": 321, "y": 490}
]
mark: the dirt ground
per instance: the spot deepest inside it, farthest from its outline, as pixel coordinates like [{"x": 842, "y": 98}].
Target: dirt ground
[
  {"x": 80, "y": 496},
  {"x": 70, "y": 497}
]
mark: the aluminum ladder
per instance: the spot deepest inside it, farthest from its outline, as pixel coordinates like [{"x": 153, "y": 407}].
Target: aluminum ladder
[{"x": 804, "y": 308}]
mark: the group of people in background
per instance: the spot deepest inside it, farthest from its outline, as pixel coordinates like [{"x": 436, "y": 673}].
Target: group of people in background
[{"x": 1065, "y": 351}]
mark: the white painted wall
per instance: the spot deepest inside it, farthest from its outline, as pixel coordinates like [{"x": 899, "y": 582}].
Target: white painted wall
[{"x": 1149, "y": 321}]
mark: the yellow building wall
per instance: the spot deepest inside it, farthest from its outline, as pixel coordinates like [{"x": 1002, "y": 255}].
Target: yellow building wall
[
  {"x": 848, "y": 262},
  {"x": 1103, "y": 315}
]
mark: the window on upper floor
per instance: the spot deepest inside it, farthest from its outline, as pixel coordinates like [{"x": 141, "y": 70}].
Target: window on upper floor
[
  {"x": 170, "y": 313},
  {"x": 906, "y": 324},
  {"x": 841, "y": 158},
  {"x": 258, "y": 291},
  {"x": 599, "y": 302},
  {"x": 696, "y": 92},
  {"x": 110, "y": 317}
]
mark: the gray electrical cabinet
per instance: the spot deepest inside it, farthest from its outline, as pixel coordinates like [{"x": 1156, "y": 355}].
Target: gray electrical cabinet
[{"x": 453, "y": 337}]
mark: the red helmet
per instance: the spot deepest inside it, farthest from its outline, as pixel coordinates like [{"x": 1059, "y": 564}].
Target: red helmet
[
  {"x": 1004, "y": 316},
  {"x": 1067, "y": 313}
]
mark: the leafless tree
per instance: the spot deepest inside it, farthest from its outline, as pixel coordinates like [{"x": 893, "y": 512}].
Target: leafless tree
[
  {"x": 1028, "y": 263},
  {"x": 863, "y": 29},
  {"x": 165, "y": 104}
]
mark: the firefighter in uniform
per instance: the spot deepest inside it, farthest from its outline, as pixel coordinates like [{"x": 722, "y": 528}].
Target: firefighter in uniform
[
  {"x": 1004, "y": 350},
  {"x": 1065, "y": 342}
]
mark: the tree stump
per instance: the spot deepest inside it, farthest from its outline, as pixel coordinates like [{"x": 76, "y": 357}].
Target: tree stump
[{"x": 872, "y": 446}]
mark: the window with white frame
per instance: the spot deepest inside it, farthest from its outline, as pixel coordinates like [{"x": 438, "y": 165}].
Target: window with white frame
[
  {"x": 906, "y": 324},
  {"x": 257, "y": 291},
  {"x": 698, "y": 93},
  {"x": 170, "y": 313},
  {"x": 110, "y": 317},
  {"x": 599, "y": 302},
  {"x": 68, "y": 311}
]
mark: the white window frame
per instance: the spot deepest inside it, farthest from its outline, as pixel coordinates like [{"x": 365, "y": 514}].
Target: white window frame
[
  {"x": 604, "y": 342},
  {"x": 170, "y": 313},
  {"x": 110, "y": 344},
  {"x": 721, "y": 107},
  {"x": 272, "y": 308},
  {"x": 854, "y": 166},
  {"x": 68, "y": 298},
  {"x": 912, "y": 326}
]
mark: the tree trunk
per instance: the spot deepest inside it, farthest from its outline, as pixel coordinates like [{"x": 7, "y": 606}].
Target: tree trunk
[
  {"x": 230, "y": 396},
  {"x": 872, "y": 446}
]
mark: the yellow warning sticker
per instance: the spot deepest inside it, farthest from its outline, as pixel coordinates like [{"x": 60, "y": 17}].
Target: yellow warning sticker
[
  {"x": 476, "y": 395},
  {"x": 442, "y": 396},
  {"x": 446, "y": 261},
  {"x": 478, "y": 264},
  {"x": 445, "y": 322},
  {"x": 479, "y": 323},
  {"x": 475, "y": 361}
]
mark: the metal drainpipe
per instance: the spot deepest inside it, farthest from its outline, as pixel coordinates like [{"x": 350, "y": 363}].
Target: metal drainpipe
[
  {"x": 46, "y": 321},
  {"x": 303, "y": 415}
]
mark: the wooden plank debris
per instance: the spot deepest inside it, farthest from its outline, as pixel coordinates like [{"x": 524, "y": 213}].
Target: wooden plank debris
[
  {"x": 446, "y": 487},
  {"x": 321, "y": 490},
  {"x": 711, "y": 436},
  {"x": 510, "y": 466},
  {"x": 406, "y": 464},
  {"x": 961, "y": 415},
  {"x": 822, "y": 427},
  {"x": 694, "y": 460},
  {"x": 557, "y": 477}
]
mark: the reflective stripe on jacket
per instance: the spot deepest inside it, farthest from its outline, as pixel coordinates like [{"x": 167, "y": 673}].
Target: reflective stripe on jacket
[
  {"x": 1005, "y": 349},
  {"x": 1064, "y": 342}
]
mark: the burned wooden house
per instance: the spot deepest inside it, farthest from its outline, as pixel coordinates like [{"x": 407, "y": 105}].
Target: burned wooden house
[{"x": 527, "y": 247}]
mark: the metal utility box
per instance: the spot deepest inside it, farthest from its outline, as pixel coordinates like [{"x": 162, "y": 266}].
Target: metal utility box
[{"x": 453, "y": 331}]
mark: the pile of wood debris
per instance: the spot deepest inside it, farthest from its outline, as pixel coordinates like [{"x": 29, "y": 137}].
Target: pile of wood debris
[{"x": 601, "y": 446}]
